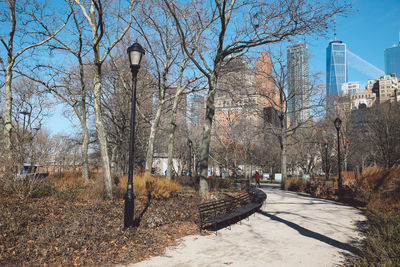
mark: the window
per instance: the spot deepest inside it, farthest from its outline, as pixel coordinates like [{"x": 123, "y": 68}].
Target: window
[{"x": 383, "y": 94}]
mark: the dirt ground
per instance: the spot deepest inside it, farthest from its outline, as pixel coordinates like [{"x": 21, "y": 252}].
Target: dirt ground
[{"x": 54, "y": 231}]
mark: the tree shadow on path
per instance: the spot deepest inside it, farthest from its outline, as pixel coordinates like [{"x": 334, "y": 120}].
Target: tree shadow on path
[{"x": 308, "y": 233}]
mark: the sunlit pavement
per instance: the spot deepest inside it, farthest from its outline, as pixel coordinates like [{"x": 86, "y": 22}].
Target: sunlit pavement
[{"x": 292, "y": 229}]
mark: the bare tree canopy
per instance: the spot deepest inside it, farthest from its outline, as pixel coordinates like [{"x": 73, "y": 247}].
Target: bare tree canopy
[{"x": 219, "y": 29}]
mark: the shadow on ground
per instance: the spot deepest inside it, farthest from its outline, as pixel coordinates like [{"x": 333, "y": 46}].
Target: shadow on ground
[{"x": 311, "y": 234}]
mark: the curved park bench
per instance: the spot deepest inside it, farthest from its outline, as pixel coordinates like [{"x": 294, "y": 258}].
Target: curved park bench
[{"x": 230, "y": 209}]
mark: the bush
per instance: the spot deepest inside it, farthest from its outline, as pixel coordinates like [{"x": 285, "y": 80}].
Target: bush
[
  {"x": 24, "y": 185},
  {"x": 187, "y": 181},
  {"x": 157, "y": 187},
  {"x": 293, "y": 184},
  {"x": 320, "y": 189},
  {"x": 71, "y": 185},
  {"x": 216, "y": 183},
  {"x": 381, "y": 246}
]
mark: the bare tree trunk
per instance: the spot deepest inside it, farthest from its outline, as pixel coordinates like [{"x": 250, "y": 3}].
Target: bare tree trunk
[
  {"x": 152, "y": 137},
  {"x": 172, "y": 137},
  {"x": 101, "y": 135},
  {"x": 283, "y": 158},
  {"x": 7, "y": 117},
  {"x": 85, "y": 148},
  {"x": 205, "y": 144}
]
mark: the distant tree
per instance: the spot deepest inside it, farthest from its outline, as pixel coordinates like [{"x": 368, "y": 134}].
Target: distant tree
[
  {"x": 231, "y": 27},
  {"x": 31, "y": 25},
  {"x": 383, "y": 128},
  {"x": 101, "y": 23}
]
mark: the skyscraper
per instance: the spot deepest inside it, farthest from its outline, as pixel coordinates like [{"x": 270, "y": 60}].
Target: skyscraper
[
  {"x": 298, "y": 83},
  {"x": 264, "y": 81},
  {"x": 336, "y": 68},
  {"x": 392, "y": 60}
]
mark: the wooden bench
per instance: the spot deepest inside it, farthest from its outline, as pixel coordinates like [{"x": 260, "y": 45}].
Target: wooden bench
[{"x": 226, "y": 210}]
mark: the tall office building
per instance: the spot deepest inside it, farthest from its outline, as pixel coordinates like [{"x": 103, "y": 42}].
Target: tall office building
[
  {"x": 298, "y": 83},
  {"x": 392, "y": 60},
  {"x": 264, "y": 80},
  {"x": 336, "y": 69}
]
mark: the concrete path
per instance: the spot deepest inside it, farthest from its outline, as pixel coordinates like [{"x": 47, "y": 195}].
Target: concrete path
[{"x": 292, "y": 229}]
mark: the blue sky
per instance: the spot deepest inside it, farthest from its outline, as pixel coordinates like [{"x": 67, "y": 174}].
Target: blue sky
[{"x": 372, "y": 26}]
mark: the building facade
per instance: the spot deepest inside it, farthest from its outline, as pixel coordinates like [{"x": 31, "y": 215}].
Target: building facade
[
  {"x": 336, "y": 68},
  {"x": 298, "y": 83},
  {"x": 242, "y": 95},
  {"x": 264, "y": 80},
  {"x": 392, "y": 60},
  {"x": 234, "y": 99},
  {"x": 350, "y": 88},
  {"x": 386, "y": 88},
  {"x": 362, "y": 98}
]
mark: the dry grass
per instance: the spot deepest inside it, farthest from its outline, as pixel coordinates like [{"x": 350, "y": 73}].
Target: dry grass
[
  {"x": 158, "y": 187},
  {"x": 377, "y": 184},
  {"x": 71, "y": 184},
  {"x": 316, "y": 188}
]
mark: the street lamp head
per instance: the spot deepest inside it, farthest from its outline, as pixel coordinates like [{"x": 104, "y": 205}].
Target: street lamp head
[
  {"x": 135, "y": 53},
  {"x": 189, "y": 142},
  {"x": 326, "y": 145},
  {"x": 338, "y": 123},
  {"x": 25, "y": 112}
]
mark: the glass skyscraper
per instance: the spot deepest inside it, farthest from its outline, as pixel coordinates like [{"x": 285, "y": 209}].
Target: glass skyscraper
[
  {"x": 298, "y": 83},
  {"x": 336, "y": 68},
  {"x": 392, "y": 60}
]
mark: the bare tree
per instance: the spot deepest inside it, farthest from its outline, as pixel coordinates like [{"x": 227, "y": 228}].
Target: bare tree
[
  {"x": 31, "y": 106},
  {"x": 100, "y": 20},
  {"x": 281, "y": 121},
  {"x": 37, "y": 28},
  {"x": 383, "y": 128},
  {"x": 169, "y": 65},
  {"x": 230, "y": 27},
  {"x": 116, "y": 107}
]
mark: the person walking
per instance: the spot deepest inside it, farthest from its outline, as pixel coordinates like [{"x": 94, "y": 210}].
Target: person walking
[{"x": 257, "y": 177}]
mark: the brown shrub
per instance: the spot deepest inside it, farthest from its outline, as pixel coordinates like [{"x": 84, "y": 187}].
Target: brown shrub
[
  {"x": 158, "y": 187},
  {"x": 320, "y": 189},
  {"x": 188, "y": 181},
  {"x": 379, "y": 184},
  {"x": 293, "y": 184},
  {"x": 24, "y": 185}
]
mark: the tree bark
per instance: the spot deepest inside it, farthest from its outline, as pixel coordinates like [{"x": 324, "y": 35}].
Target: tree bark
[
  {"x": 152, "y": 137},
  {"x": 205, "y": 144},
  {"x": 101, "y": 135},
  {"x": 7, "y": 117},
  {"x": 85, "y": 148},
  {"x": 171, "y": 138}
]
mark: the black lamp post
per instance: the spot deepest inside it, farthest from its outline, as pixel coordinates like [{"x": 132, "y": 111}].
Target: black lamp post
[
  {"x": 25, "y": 113},
  {"x": 23, "y": 126},
  {"x": 190, "y": 143},
  {"x": 338, "y": 124},
  {"x": 326, "y": 161},
  {"x": 135, "y": 53}
]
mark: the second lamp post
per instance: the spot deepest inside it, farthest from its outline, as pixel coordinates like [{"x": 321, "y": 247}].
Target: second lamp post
[
  {"x": 338, "y": 124},
  {"x": 135, "y": 53},
  {"x": 190, "y": 143}
]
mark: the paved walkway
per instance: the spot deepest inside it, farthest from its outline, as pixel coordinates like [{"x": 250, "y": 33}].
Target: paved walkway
[{"x": 292, "y": 229}]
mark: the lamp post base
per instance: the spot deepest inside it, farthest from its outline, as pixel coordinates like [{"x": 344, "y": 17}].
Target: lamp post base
[{"x": 128, "y": 213}]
